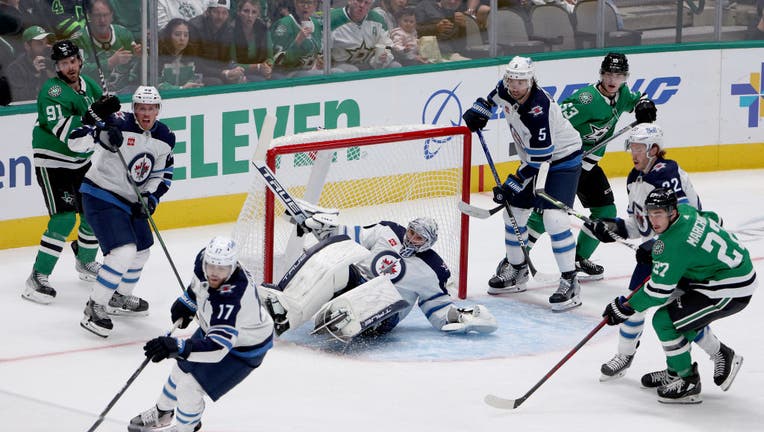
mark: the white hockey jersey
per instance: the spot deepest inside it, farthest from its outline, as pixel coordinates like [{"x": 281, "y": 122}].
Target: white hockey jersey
[
  {"x": 420, "y": 279},
  {"x": 540, "y": 132},
  {"x": 355, "y": 43},
  {"x": 664, "y": 173},
  {"x": 148, "y": 155}
]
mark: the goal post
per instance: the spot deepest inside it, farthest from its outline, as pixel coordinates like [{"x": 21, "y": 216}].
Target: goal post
[{"x": 370, "y": 174}]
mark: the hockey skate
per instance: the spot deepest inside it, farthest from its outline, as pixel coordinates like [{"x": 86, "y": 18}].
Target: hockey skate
[
  {"x": 38, "y": 289},
  {"x": 87, "y": 271},
  {"x": 726, "y": 366},
  {"x": 658, "y": 378},
  {"x": 588, "y": 271},
  {"x": 682, "y": 390},
  {"x": 96, "y": 319},
  {"x": 616, "y": 367},
  {"x": 567, "y": 295},
  {"x": 127, "y": 305},
  {"x": 155, "y": 420},
  {"x": 509, "y": 278}
]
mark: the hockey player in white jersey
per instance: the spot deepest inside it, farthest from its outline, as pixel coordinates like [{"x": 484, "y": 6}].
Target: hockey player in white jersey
[
  {"x": 365, "y": 280},
  {"x": 235, "y": 333},
  {"x": 541, "y": 134},
  {"x": 651, "y": 170},
  {"x": 117, "y": 214}
]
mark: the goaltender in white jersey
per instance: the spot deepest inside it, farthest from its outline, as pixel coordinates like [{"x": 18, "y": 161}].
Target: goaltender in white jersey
[{"x": 365, "y": 280}]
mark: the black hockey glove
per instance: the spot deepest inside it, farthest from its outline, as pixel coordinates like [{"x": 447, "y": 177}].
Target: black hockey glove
[
  {"x": 109, "y": 138},
  {"x": 601, "y": 229},
  {"x": 101, "y": 109},
  {"x": 645, "y": 253},
  {"x": 477, "y": 117},
  {"x": 617, "y": 312},
  {"x": 151, "y": 204},
  {"x": 504, "y": 193},
  {"x": 645, "y": 111},
  {"x": 179, "y": 311},
  {"x": 163, "y": 347}
]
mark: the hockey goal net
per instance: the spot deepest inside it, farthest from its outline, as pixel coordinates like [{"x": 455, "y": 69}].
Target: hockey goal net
[{"x": 370, "y": 174}]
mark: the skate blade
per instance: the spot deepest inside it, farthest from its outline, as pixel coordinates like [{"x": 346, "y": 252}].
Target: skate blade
[
  {"x": 123, "y": 312},
  {"x": 606, "y": 378},
  {"x": 737, "y": 361},
  {"x": 506, "y": 290},
  {"x": 687, "y": 400},
  {"x": 588, "y": 277},
  {"x": 36, "y": 297},
  {"x": 87, "y": 277},
  {"x": 98, "y": 331},
  {"x": 566, "y": 306}
]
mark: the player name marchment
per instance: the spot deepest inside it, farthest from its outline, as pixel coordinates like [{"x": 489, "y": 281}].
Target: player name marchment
[{"x": 697, "y": 231}]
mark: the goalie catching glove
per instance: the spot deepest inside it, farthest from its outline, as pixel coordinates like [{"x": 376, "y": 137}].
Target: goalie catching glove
[{"x": 464, "y": 320}]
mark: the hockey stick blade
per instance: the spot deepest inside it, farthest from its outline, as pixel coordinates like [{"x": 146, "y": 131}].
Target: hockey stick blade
[
  {"x": 478, "y": 212},
  {"x": 501, "y": 403}
]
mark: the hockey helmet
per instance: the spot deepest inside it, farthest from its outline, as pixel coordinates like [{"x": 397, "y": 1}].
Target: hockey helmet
[
  {"x": 661, "y": 199},
  {"x": 147, "y": 95},
  {"x": 426, "y": 228},
  {"x": 63, "y": 49},
  {"x": 520, "y": 68},
  {"x": 615, "y": 63},
  {"x": 649, "y": 134},
  {"x": 221, "y": 251}
]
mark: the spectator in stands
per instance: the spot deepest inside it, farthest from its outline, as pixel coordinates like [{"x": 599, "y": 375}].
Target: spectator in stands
[
  {"x": 360, "y": 38},
  {"x": 177, "y": 69},
  {"x": 118, "y": 54},
  {"x": 280, "y": 9},
  {"x": 297, "y": 41},
  {"x": 444, "y": 19},
  {"x": 128, "y": 15},
  {"x": 6, "y": 52},
  {"x": 211, "y": 40},
  {"x": 388, "y": 9},
  {"x": 186, "y": 9},
  {"x": 19, "y": 19},
  {"x": 62, "y": 17},
  {"x": 252, "y": 48},
  {"x": 756, "y": 31},
  {"x": 29, "y": 71},
  {"x": 405, "y": 40}
]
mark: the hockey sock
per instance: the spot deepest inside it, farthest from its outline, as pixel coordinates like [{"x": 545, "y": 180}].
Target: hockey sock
[
  {"x": 53, "y": 241},
  {"x": 629, "y": 333},
  {"x": 115, "y": 264},
  {"x": 708, "y": 341},
  {"x": 586, "y": 245},
  {"x": 87, "y": 244},
  {"x": 514, "y": 252},
  {"x": 676, "y": 345},
  {"x": 535, "y": 228},
  {"x": 563, "y": 242},
  {"x": 133, "y": 274}
]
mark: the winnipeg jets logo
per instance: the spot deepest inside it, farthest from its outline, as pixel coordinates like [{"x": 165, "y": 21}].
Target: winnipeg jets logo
[
  {"x": 596, "y": 134},
  {"x": 388, "y": 263},
  {"x": 140, "y": 167},
  {"x": 659, "y": 166},
  {"x": 536, "y": 111},
  {"x": 226, "y": 288}
]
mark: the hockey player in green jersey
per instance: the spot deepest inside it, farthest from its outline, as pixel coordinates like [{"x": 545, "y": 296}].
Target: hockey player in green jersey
[
  {"x": 62, "y": 106},
  {"x": 594, "y": 112},
  {"x": 700, "y": 273}
]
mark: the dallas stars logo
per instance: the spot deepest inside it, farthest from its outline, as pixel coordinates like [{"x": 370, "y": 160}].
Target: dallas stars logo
[
  {"x": 360, "y": 54},
  {"x": 596, "y": 134}
]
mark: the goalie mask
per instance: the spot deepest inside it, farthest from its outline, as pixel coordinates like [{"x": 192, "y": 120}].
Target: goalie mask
[
  {"x": 220, "y": 253},
  {"x": 421, "y": 235}
]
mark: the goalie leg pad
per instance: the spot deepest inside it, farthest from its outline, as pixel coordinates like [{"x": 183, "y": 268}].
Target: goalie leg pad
[
  {"x": 476, "y": 319},
  {"x": 322, "y": 272},
  {"x": 365, "y": 307}
]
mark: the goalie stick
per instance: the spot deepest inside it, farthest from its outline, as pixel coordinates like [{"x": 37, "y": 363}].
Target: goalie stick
[
  {"x": 515, "y": 228},
  {"x": 258, "y": 161},
  {"x": 508, "y": 404},
  {"x": 541, "y": 181}
]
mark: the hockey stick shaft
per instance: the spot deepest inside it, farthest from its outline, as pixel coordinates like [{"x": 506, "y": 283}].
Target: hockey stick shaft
[
  {"x": 498, "y": 402},
  {"x": 478, "y": 212},
  {"x": 540, "y": 182},
  {"x": 618, "y": 133},
  {"x": 512, "y": 219},
  {"x": 124, "y": 388}
]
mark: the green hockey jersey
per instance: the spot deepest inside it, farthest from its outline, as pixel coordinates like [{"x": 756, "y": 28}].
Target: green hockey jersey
[
  {"x": 59, "y": 112},
  {"x": 697, "y": 248},
  {"x": 594, "y": 117},
  {"x": 119, "y": 78}
]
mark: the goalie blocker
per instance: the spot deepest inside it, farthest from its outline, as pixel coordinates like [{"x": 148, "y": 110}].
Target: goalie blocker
[{"x": 324, "y": 283}]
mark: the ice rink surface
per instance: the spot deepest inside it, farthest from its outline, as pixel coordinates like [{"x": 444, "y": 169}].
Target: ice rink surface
[{"x": 55, "y": 376}]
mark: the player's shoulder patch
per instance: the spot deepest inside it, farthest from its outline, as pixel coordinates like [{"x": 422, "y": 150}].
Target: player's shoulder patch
[
  {"x": 585, "y": 97},
  {"x": 658, "y": 247},
  {"x": 55, "y": 90}
]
